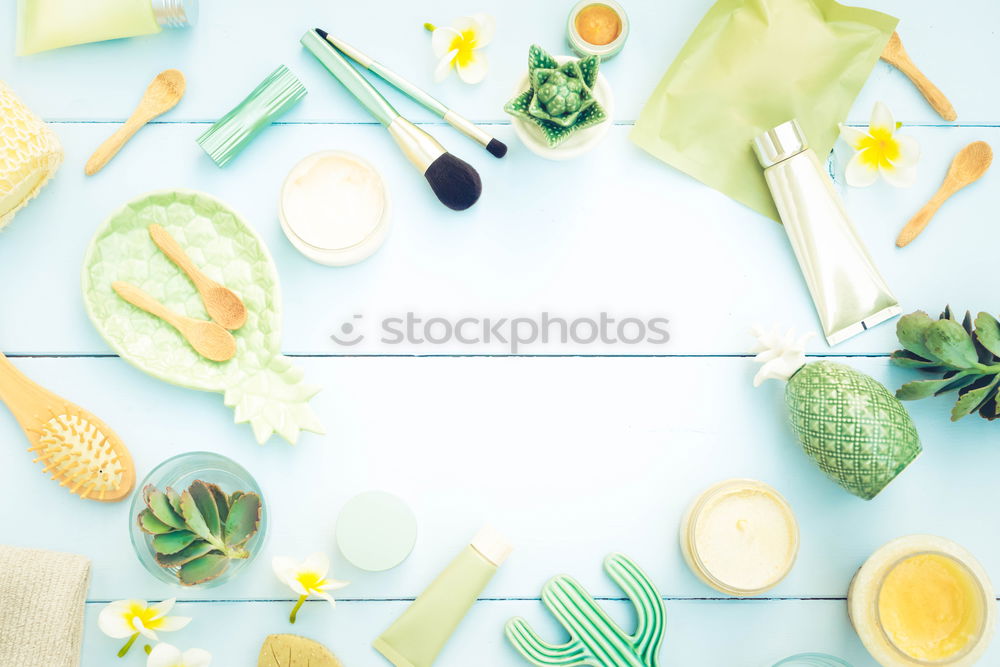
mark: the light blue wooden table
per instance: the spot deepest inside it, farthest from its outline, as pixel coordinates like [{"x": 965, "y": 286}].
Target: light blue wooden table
[{"x": 574, "y": 451}]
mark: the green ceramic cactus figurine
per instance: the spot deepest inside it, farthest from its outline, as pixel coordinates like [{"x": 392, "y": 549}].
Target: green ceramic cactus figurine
[
  {"x": 849, "y": 424},
  {"x": 560, "y": 99},
  {"x": 595, "y": 639}
]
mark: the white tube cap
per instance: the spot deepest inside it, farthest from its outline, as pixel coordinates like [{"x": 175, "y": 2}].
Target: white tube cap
[{"x": 492, "y": 545}]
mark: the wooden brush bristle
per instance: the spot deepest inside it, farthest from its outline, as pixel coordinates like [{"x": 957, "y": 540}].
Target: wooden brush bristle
[{"x": 81, "y": 456}]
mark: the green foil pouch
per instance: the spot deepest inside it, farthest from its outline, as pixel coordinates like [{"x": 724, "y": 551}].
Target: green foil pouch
[{"x": 749, "y": 66}]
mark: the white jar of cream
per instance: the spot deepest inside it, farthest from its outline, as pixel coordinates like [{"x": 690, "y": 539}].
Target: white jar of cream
[
  {"x": 334, "y": 208},
  {"x": 740, "y": 537}
]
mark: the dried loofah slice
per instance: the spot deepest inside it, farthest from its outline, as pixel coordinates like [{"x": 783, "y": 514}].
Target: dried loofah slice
[
  {"x": 30, "y": 153},
  {"x": 295, "y": 651}
]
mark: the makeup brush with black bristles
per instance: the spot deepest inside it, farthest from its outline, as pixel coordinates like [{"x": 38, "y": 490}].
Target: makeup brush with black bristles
[
  {"x": 496, "y": 147},
  {"x": 455, "y": 182}
]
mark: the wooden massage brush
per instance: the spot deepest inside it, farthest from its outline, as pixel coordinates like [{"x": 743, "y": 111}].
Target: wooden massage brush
[{"x": 76, "y": 448}]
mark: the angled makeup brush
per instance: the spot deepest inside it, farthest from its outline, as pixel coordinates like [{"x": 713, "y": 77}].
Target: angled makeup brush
[
  {"x": 496, "y": 147},
  {"x": 455, "y": 182}
]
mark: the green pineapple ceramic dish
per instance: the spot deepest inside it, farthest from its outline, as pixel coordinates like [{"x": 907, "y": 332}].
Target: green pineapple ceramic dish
[
  {"x": 563, "y": 106},
  {"x": 849, "y": 424},
  {"x": 261, "y": 385}
]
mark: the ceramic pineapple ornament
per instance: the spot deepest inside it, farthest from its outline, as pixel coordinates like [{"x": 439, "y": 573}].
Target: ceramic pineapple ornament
[
  {"x": 849, "y": 424},
  {"x": 263, "y": 387}
]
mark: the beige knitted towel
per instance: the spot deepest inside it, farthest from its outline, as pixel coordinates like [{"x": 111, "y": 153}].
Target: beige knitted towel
[{"x": 42, "y": 596}]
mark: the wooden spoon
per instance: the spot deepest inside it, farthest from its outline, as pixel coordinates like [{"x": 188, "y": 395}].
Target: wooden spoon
[
  {"x": 967, "y": 167},
  {"x": 222, "y": 304},
  {"x": 162, "y": 95},
  {"x": 896, "y": 55},
  {"x": 207, "y": 338}
]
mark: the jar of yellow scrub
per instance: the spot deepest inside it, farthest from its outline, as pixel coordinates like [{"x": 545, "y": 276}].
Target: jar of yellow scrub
[
  {"x": 740, "y": 537},
  {"x": 597, "y": 28},
  {"x": 923, "y": 600}
]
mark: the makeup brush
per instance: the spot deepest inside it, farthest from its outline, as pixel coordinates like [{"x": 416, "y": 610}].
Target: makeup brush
[
  {"x": 454, "y": 182},
  {"x": 496, "y": 147}
]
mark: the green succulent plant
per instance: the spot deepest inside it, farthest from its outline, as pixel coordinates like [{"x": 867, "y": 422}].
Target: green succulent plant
[
  {"x": 560, "y": 99},
  {"x": 199, "y": 531},
  {"x": 966, "y": 354}
]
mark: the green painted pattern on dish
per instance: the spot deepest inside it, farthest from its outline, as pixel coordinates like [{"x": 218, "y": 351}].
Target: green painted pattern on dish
[{"x": 260, "y": 384}]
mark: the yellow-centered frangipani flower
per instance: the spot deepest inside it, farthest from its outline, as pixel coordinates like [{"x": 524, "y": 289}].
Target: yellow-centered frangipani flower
[
  {"x": 459, "y": 47},
  {"x": 165, "y": 655},
  {"x": 307, "y": 578},
  {"x": 881, "y": 151},
  {"x": 131, "y": 618}
]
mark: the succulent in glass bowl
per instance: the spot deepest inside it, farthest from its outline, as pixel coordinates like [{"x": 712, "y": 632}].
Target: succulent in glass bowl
[
  {"x": 198, "y": 521},
  {"x": 561, "y": 98}
]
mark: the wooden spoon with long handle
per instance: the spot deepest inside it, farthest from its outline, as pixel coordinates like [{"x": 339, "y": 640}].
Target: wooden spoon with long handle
[
  {"x": 967, "y": 167},
  {"x": 222, "y": 304},
  {"x": 207, "y": 338},
  {"x": 162, "y": 95},
  {"x": 896, "y": 55}
]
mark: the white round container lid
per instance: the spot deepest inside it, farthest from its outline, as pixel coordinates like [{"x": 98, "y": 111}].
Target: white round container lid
[
  {"x": 334, "y": 201},
  {"x": 376, "y": 531}
]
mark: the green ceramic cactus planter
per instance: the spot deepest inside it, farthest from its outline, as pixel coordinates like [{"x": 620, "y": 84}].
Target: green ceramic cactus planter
[
  {"x": 563, "y": 107},
  {"x": 595, "y": 639},
  {"x": 849, "y": 424},
  {"x": 261, "y": 385}
]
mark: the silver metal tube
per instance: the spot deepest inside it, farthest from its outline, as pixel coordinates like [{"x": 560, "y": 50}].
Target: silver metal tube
[
  {"x": 848, "y": 291},
  {"x": 420, "y": 148},
  {"x": 468, "y": 128}
]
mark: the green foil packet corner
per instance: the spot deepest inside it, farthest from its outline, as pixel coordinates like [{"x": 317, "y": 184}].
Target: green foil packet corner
[{"x": 749, "y": 66}]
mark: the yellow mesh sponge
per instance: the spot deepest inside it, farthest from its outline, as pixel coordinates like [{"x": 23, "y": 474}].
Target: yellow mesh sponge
[{"x": 30, "y": 153}]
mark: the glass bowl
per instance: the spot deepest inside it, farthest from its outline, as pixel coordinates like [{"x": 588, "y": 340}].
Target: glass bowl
[
  {"x": 812, "y": 660},
  {"x": 179, "y": 472}
]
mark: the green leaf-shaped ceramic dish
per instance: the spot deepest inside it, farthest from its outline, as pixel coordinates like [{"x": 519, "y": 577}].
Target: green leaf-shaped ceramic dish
[{"x": 259, "y": 383}]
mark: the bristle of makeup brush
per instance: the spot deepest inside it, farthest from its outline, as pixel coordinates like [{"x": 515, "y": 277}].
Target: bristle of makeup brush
[
  {"x": 454, "y": 181},
  {"x": 497, "y": 148}
]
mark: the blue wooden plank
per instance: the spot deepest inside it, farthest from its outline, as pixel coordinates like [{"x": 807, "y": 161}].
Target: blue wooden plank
[
  {"x": 235, "y": 46},
  {"x": 636, "y": 239}
]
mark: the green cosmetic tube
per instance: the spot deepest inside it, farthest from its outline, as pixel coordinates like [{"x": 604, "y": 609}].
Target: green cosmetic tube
[
  {"x": 52, "y": 24},
  {"x": 417, "y": 637}
]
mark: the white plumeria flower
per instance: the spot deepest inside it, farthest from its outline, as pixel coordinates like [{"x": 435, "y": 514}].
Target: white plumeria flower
[
  {"x": 131, "y": 618},
  {"x": 165, "y": 655},
  {"x": 881, "y": 151},
  {"x": 307, "y": 578},
  {"x": 459, "y": 47}
]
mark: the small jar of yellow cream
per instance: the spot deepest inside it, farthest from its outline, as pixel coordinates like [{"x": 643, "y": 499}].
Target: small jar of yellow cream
[
  {"x": 597, "y": 28},
  {"x": 740, "y": 537},
  {"x": 923, "y": 600}
]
